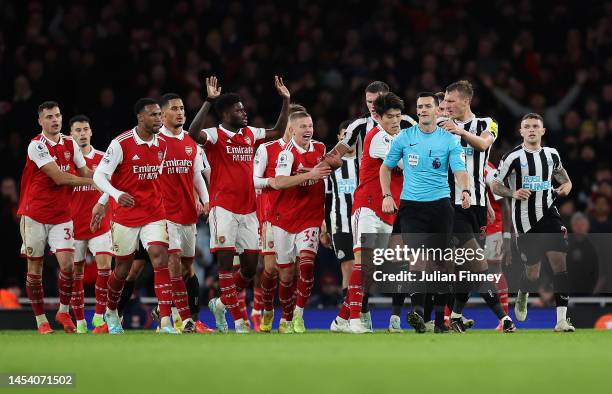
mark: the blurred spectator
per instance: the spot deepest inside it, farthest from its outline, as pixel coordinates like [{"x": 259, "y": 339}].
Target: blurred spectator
[
  {"x": 600, "y": 215},
  {"x": 582, "y": 259},
  {"x": 9, "y": 297}
]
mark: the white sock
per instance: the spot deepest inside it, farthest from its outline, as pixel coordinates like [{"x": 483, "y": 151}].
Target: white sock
[
  {"x": 455, "y": 315},
  {"x": 40, "y": 319},
  {"x": 298, "y": 312},
  {"x": 64, "y": 308},
  {"x": 175, "y": 314},
  {"x": 255, "y": 312},
  {"x": 166, "y": 322},
  {"x": 239, "y": 322},
  {"x": 396, "y": 316},
  {"x": 561, "y": 313}
]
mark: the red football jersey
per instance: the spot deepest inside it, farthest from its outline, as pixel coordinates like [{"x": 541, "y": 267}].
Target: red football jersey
[
  {"x": 496, "y": 226},
  {"x": 40, "y": 198},
  {"x": 265, "y": 167},
  {"x": 231, "y": 163},
  {"x": 303, "y": 206},
  {"x": 180, "y": 166},
  {"x": 135, "y": 166},
  {"x": 84, "y": 198},
  {"x": 369, "y": 193}
]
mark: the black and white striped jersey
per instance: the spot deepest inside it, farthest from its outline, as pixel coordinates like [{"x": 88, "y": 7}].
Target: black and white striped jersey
[
  {"x": 357, "y": 130},
  {"x": 342, "y": 184},
  {"x": 533, "y": 170},
  {"x": 475, "y": 161}
]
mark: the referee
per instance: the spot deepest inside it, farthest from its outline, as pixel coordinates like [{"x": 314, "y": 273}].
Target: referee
[{"x": 427, "y": 152}]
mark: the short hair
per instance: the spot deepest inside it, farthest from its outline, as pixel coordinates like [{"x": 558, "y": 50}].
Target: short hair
[
  {"x": 377, "y": 87},
  {"x": 78, "y": 118},
  {"x": 344, "y": 125},
  {"x": 143, "y": 102},
  {"x": 294, "y": 107},
  {"x": 434, "y": 96},
  {"x": 464, "y": 87},
  {"x": 440, "y": 96},
  {"x": 387, "y": 101},
  {"x": 165, "y": 99},
  {"x": 298, "y": 115},
  {"x": 47, "y": 105},
  {"x": 533, "y": 115},
  {"x": 225, "y": 102}
]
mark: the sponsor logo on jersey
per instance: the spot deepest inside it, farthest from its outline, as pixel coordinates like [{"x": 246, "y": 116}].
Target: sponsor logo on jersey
[
  {"x": 135, "y": 157},
  {"x": 160, "y": 156},
  {"x": 468, "y": 150},
  {"x": 535, "y": 183}
]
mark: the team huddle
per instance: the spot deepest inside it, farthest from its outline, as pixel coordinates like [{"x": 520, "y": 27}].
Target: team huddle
[{"x": 264, "y": 191}]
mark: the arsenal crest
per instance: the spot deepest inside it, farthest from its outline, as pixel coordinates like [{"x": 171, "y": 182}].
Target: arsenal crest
[
  {"x": 29, "y": 251},
  {"x": 188, "y": 150},
  {"x": 160, "y": 156},
  {"x": 247, "y": 139},
  {"x": 270, "y": 244},
  {"x": 67, "y": 155},
  {"x": 221, "y": 239}
]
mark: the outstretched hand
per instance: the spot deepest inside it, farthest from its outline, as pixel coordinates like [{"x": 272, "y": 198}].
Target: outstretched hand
[
  {"x": 281, "y": 88},
  {"x": 213, "y": 90}
]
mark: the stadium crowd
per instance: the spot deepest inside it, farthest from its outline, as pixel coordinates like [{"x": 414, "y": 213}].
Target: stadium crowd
[{"x": 97, "y": 58}]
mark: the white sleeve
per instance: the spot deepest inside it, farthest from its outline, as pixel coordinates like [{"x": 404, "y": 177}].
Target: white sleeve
[
  {"x": 112, "y": 158},
  {"x": 284, "y": 163},
  {"x": 102, "y": 182},
  {"x": 103, "y": 199},
  {"x": 212, "y": 135},
  {"x": 78, "y": 158},
  {"x": 206, "y": 165},
  {"x": 198, "y": 166},
  {"x": 380, "y": 145},
  {"x": 39, "y": 154},
  {"x": 258, "y": 132},
  {"x": 259, "y": 167},
  {"x": 489, "y": 178},
  {"x": 200, "y": 187}
]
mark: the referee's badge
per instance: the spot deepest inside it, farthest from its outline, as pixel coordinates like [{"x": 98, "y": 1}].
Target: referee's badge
[{"x": 413, "y": 160}]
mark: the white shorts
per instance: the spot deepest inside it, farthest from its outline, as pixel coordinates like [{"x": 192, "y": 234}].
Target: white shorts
[
  {"x": 289, "y": 245},
  {"x": 494, "y": 247},
  {"x": 182, "y": 238},
  {"x": 125, "y": 239},
  {"x": 35, "y": 236},
  {"x": 102, "y": 244},
  {"x": 366, "y": 221},
  {"x": 232, "y": 231},
  {"x": 267, "y": 239}
]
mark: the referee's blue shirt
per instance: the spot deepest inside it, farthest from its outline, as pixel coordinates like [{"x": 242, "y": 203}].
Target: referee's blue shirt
[{"x": 426, "y": 159}]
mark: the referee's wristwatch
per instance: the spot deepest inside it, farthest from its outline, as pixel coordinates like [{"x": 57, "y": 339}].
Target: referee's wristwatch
[{"x": 387, "y": 195}]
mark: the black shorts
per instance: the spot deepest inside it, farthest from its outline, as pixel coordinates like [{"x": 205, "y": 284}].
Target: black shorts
[
  {"x": 548, "y": 235},
  {"x": 343, "y": 246},
  {"x": 470, "y": 223},
  {"x": 433, "y": 218}
]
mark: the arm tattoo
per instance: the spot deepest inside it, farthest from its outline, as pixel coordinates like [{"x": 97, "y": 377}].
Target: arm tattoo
[
  {"x": 560, "y": 175},
  {"x": 500, "y": 189}
]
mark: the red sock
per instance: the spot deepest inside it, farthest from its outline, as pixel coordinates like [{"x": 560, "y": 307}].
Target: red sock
[
  {"x": 102, "y": 290},
  {"x": 257, "y": 298},
  {"x": 240, "y": 282},
  {"x": 229, "y": 298},
  {"x": 179, "y": 297},
  {"x": 163, "y": 290},
  {"x": 306, "y": 279},
  {"x": 78, "y": 294},
  {"x": 115, "y": 287},
  {"x": 64, "y": 287},
  {"x": 355, "y": 292},
  {"x": 502, "y": 292},
  {"x": 345, "y": 312},
  {"x": 34, "y": 289},
  {"x": 268, "y": 288},
  {"x": 285, "y": 297}
]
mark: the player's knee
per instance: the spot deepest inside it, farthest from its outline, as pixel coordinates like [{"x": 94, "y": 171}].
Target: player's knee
[
  {"x": 103, "y": 261},
  {"x": 286, "y": 274}
]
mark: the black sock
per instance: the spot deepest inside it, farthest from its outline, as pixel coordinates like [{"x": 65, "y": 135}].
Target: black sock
[
  {"x": 397, "y": 302},
  {"x": 493, "y": 303},
  {"x": 460, "y": 300},
  {"x": 561, "y": 288},
  {"x": 344, "y": 291},
  {"x": 450, "y": 300},
  {"x": 429, "y": 305},
  {"x": 126, "y": 294},
  {"x": 418, "y": 302},
  {"x": 365, "y": 305},
  {"x": 193, "y": 296},
  {"x": 439, "y": 302}
]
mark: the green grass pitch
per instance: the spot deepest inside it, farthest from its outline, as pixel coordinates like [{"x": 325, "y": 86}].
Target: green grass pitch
[{"x": 318, "y": 362}]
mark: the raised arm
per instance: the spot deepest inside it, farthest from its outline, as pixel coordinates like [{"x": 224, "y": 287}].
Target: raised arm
[
  {"x": 195, "y": 128},
  {"x": 281, "y": 123}
]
